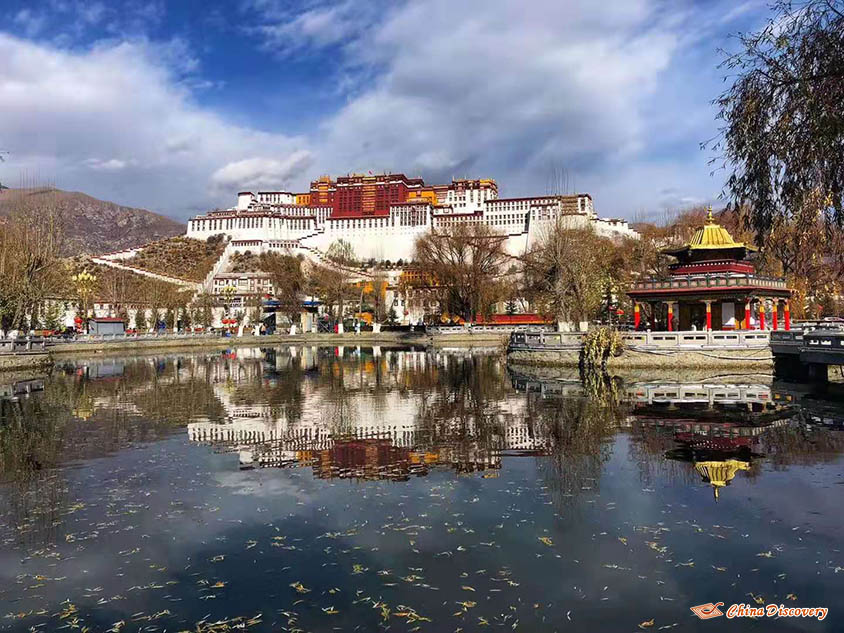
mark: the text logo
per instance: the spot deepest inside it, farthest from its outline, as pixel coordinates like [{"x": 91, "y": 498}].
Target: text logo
[{"x": 708, "y": 610}]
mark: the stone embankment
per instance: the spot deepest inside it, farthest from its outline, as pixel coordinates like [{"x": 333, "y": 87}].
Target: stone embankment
[
  {"x": 651, "y": 350},
  {"x": 130, "y": 345},
  {"x": 124, "y": 346},
  {"x": 27, "y": 360}
]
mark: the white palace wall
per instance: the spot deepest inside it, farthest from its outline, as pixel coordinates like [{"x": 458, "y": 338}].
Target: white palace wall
[{"x": 392, "y": 237}]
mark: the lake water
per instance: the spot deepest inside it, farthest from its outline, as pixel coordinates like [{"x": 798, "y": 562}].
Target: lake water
[{"x": 375, "y": 489}]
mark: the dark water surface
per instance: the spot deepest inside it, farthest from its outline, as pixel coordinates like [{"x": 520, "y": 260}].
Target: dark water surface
[{"x": 332, "y": 489}]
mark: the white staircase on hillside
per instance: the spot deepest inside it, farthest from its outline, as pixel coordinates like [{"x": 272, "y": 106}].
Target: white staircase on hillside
[{"x": 146, "y": 273}]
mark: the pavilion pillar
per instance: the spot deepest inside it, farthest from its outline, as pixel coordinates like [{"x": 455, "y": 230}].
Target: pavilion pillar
[
  {"x": 636, "y": 315},
  {"x": 762, "y": 314},
  {"x": 747, "y": 325},
  {"x": 708, "y": 303},
  {"x": 670, "y": 316},
  {"x": 774, "y": 304},
  {"x": 787, "y": 315}
]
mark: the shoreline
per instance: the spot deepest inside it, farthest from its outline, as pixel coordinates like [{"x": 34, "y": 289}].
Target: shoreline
[
  {"x": 67, "y": 349},
  {"x": 747, "y": 359},
  {"x": 39, "y": 360}
]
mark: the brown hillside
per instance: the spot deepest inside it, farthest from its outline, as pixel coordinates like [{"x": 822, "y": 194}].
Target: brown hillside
[
  {"x": 96, "y": 226},
  {"x": 180, "y": 257}
]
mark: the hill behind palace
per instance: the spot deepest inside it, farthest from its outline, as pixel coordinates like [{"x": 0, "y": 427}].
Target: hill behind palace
[{"x": 96, "y": 226}]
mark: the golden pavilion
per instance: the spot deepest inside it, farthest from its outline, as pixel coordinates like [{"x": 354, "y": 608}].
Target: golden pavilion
[{"x": 712, "y": 285}]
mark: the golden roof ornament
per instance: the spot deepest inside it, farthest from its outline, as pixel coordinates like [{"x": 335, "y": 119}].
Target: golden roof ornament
[
  {"x": 719, "y": 473},
  {"x": 714, "y": 236}
]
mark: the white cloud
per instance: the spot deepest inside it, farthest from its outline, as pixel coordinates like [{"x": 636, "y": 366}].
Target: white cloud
[
  {"x": 262, "y": 173},
  {"x": 479, "y": 86},
  {"x": 113, "y": 164},
  {"x": 81, "y": 118},
  {"x": 490, "y": 88}
]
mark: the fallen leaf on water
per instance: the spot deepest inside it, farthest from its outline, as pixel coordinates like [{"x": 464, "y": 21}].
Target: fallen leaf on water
[{"x": 646, "y": 624}]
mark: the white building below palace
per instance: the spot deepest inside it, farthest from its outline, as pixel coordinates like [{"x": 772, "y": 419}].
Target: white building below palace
[{"x": 273, "y": 221}]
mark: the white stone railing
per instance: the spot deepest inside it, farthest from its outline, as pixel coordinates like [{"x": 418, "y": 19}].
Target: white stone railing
[
  {"x": 504, "y": 328},
  {"x": 647, "y": 340},
  {"x": 701, "y": 338}
]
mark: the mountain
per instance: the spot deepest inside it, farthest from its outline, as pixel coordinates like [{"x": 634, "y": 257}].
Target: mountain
[{"x": 95, "y": 226}]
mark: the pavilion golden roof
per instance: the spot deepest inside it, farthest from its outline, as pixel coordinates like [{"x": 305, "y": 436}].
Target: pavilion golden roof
[
  {"x": 715, "y": 236},
  {"x": 720, "y": 473}
]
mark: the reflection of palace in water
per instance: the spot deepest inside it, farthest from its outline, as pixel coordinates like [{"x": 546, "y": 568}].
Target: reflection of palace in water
[
  {"x": 376, "y": 413},
  {"x": 370, "y": 425}
]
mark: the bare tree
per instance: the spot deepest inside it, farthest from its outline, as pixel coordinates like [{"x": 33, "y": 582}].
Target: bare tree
[
  {"x": 31, "y": 243},
  {"x": 463, "y": 266},
  {"x": 288, "y": 281},
  {"x": 332, "y": 282},
  {"x": 568, "y": 273}
]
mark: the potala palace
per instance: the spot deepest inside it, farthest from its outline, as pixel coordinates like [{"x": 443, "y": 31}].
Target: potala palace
[{"x": 382, "y": 215}]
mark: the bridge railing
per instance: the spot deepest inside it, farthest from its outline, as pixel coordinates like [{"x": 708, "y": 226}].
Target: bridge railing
[
  {"x": 550, "y": 340},
  {"x": 824, "y": 340},
  {"x": 793, "y": 337},
  {"x": 22, "y": 345}
]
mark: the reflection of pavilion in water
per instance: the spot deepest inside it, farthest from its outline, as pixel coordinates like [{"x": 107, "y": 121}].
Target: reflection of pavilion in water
[
  {"x": 719, "y": 448},
  {"x": 370, "y": 436},
  {"x": 715, "y": 427}
]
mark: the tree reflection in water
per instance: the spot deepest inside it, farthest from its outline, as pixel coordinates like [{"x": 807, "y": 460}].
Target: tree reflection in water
[
  {"x": 373, "y": 413},
  {"x": 579, "y": 430}
]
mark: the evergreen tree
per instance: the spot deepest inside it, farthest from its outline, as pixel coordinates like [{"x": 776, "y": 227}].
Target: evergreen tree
[
  {"x": 53, "y": 313},
  {"x": 141, "y": 319}
]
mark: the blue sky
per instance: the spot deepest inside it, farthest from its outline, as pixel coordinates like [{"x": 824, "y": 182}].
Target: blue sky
[{"x": 174, "y": 106}]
